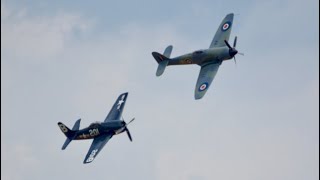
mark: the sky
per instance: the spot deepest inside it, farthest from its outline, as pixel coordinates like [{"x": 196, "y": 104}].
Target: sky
[{"x": 64, "y": 60}]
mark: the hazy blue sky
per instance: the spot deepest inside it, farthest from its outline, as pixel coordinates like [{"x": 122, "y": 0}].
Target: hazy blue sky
[{"x": 64, "y": 60}]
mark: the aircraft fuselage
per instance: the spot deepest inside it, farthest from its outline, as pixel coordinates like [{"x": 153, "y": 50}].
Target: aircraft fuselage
[
  {"x": 98, "y": 129},
  {"x": 212, "y": 55}
]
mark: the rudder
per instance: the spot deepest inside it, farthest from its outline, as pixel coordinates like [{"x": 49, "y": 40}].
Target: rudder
[{"x": 66, "y": 131}]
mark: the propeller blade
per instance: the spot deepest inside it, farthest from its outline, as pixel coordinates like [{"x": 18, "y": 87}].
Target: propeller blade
[
  {"x": 225, "y": 41},
  {"x": 235, "y": 42},
  {"x": 128, "y": 133},
  {"x": 241, "y": 54},
  {"x": 235, "y": 61},
  {"x": 130, "y": 121}
]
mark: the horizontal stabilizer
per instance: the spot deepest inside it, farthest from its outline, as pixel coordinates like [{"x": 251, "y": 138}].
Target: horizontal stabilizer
[
  {"x": 167, "y": 51},
  {"x": 69, "y": 133},
  {"x": 76, "y": 125},
  {"x": 66, "y": 143},
  {"x": 163, "y": 60},
  {"x": 161, "y": 67}
]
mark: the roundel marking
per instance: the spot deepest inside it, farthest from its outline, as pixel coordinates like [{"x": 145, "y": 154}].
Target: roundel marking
[
  {"x": 203, "y": 86},
  {"x": 226, "y": 26},
  {"x": 188, "y": 61}
]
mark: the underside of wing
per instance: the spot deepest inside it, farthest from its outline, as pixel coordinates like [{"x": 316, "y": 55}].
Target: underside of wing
[
  {"x": 117, "y": 108},
  {"x": 206, "y": 76},
  {"x": 96, "y": 146},
  {"x": 223, "y": 32}
]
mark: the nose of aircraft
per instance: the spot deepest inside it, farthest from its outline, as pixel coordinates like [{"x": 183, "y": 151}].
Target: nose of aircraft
[{"x": 233, "y": 52}]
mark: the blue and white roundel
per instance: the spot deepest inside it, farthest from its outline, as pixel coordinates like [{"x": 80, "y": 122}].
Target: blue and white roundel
[
  {"x": 203, "y": 87},
  {"x": 226, "y": 26}
]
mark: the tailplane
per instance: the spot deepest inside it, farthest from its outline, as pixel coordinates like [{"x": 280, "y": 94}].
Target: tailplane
[
  {"x": 69, "y": 133},
  {"x": 162, "y": 60}
]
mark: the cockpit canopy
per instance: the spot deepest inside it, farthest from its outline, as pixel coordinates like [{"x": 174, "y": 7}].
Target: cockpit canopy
[
  {"x": 95, "y": 124},
  {"x": 198, "y": 52}
]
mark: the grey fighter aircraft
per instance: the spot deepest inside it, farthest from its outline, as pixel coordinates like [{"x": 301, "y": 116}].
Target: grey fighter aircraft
[
  {"x": 209, "y": 59},
  {"x": 100, "y": 132}
]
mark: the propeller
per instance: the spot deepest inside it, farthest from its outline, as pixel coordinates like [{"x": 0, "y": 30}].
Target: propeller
[
  {"x": 127, "y": 130},
  {"x": 232, "y": 50},
  {"x": 130, "y": 121},
  {"x": 234, "y": 45},
  {"x": 235, "y": 42},
  {"x": 227, "y": 44},
  {"x": 128, "y": 133}
]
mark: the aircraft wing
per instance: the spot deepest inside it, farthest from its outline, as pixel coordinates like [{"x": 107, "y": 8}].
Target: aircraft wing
[
  {"x": 223, "y": 32},
  {"x": 117, "y": 108},
  {"x": 206, "y": 75},
  {"x": 96, "y": 146}
]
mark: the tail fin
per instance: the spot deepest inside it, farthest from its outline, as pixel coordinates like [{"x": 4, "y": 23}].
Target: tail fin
[
  {"x": 76, "y": 125},
  {"x": 162, "y": 60},
  {"x": 69, "y": 133},
  {"x": 167, "y": 51}
]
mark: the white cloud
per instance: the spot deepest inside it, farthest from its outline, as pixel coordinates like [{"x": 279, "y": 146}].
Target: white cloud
[
  {"x": 34, "y": 37},
  {"x": 19, "y": 160}
]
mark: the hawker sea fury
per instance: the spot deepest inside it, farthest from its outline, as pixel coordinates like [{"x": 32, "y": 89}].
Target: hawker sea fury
[
  {"x": 209, "y": 59},
  {"x": 100, "y": 132}
]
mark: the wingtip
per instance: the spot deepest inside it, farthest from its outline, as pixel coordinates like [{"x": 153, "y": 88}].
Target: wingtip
[
  {"x": 230, "y": 15},
  {"x": 125, "y": 93},
  {"x": 198, "y": 96},
  {"x": 86, "y": 161},
  {"x": 158, "y": 74}
]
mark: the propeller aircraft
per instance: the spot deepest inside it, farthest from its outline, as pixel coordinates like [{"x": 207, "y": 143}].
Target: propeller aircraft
[
  {"x": 100, "y": 132},
  {"x": 209, "y": 59}
]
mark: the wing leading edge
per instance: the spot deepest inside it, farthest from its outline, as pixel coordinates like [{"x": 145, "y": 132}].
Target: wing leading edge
[
  {"x": 117, "y": 108},
  {"x": 206, "y": 76},
  {"x": 223, "y": 32},
  {"x": 96, "y": 146}
]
